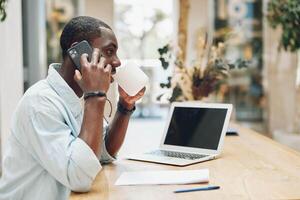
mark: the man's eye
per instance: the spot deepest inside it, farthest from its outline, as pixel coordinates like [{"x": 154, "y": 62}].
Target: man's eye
[{"x": 109, "y": 52}]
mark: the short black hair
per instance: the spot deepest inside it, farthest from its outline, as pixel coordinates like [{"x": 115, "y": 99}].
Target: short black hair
[{"x": 78, "y": 29}]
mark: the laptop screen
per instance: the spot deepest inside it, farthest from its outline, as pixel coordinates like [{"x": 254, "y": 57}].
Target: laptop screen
[{"x": 196, "y": 127}]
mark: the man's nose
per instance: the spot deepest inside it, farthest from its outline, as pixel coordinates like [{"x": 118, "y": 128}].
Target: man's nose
[{"x": 116, "y": 62}]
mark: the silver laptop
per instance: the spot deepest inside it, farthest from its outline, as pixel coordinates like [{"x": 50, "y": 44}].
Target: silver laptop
[{"x": 194, "y": 133}]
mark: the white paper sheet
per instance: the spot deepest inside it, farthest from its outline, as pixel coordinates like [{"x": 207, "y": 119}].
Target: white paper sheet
[{"x": 166, "y": 177}]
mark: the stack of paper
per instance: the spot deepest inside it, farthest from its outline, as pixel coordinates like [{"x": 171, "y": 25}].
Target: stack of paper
[{"x": 166, "y": 177}]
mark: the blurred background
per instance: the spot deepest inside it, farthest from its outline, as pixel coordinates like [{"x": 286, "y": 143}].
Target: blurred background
[{"x": 265, "y": 94}]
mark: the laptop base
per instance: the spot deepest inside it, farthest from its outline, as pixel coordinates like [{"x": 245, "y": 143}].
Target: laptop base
[{"x": 167, "y": 160}]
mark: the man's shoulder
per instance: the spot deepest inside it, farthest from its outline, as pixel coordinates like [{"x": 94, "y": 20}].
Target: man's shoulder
[
  {"x": 40, "y": 96},
  {"x": 38, "y": 88}
]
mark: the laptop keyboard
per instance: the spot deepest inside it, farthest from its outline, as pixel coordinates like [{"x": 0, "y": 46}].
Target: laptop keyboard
[{"x": 175, "y": 154}]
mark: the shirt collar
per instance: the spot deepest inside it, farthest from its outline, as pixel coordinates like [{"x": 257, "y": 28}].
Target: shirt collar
[{"x": 63, "y": 90}]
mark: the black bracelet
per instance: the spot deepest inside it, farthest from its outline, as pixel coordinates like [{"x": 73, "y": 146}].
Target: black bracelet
[
  {"x": 124, "y": 110},
  {"x": 98, "y": 94},
  {"x": 94, "y": 94}
]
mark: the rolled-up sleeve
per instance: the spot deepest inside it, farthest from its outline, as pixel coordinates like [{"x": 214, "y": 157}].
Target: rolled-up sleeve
[
  {"x": 83, "y": 166},
  {"x": 66, "y": 157},
  {"x": 105, "y": 157}
]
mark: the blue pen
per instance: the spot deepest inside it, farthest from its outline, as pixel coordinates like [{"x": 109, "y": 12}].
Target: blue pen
[{"x": 198, "y": 189}]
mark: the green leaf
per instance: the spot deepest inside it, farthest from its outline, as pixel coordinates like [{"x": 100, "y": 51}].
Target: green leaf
[
  {"x": 164, "y": 63},
  {"x": 2, "y": 10},
  {"x": 159, "y": 97},
  {"x": 166, "y": 85},
  {"x": 163, "y": 50},
  {"x": 177, "y": 92},
  {"x": 231, "y": 66}
]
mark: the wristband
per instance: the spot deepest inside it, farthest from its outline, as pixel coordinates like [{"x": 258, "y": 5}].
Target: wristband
[
  {"x": 94, "y": 94},
  {"x": 124, "y": 110}
]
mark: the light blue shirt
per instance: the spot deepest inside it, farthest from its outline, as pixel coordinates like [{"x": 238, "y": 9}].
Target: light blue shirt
[{"x": 45, "y": 159}]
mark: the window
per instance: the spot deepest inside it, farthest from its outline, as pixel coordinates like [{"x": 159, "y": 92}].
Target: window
[
  {"x": 58, "y": 13},
  {"x": 141, "y": 28},
  {"x": 244, "y": 19}
]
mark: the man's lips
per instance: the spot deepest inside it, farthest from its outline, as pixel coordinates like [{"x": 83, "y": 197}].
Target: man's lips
[
  {"x": 111, "y": 77},
  {"x": 113, "y": 72}
]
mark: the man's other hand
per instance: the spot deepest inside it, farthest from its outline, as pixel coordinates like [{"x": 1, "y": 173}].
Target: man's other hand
[{"x": 129, "y": 101}]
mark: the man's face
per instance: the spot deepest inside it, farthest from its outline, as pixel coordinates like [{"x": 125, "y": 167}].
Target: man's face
[{"x": 108, "y": 46}]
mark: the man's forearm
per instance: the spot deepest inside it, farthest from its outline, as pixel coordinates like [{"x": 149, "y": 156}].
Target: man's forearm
[
  {"x": 116, "y": 133},
  {"x": 92, "y": 125}
]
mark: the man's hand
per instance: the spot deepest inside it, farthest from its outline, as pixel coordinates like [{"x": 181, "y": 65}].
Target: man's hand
[
  {"x": 129, "y": 101},
  {"x": 94, "y": 76}
]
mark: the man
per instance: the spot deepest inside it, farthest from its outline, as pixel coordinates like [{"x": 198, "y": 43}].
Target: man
[{"x": 55, "y": 146}]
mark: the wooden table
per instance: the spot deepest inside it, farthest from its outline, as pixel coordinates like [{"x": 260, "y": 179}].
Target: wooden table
[{"x": 251, "y": 166}]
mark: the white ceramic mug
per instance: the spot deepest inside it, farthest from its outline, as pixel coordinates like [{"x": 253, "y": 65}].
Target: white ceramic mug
[{"x": 130, "y": 78}]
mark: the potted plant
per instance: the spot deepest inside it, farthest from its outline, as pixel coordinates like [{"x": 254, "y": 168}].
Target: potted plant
[
  {"x": 202, "y": 78},
  {"x": 285, "y": 14}
]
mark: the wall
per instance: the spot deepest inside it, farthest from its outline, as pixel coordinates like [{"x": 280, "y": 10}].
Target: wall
[
  {"x": 200, "y": 16},
  {"x": 11, "y": 75},
  {"x": 101, "y": 9}
]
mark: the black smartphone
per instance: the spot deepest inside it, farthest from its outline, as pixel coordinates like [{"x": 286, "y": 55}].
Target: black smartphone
[{"x": 77, "y": 50}]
